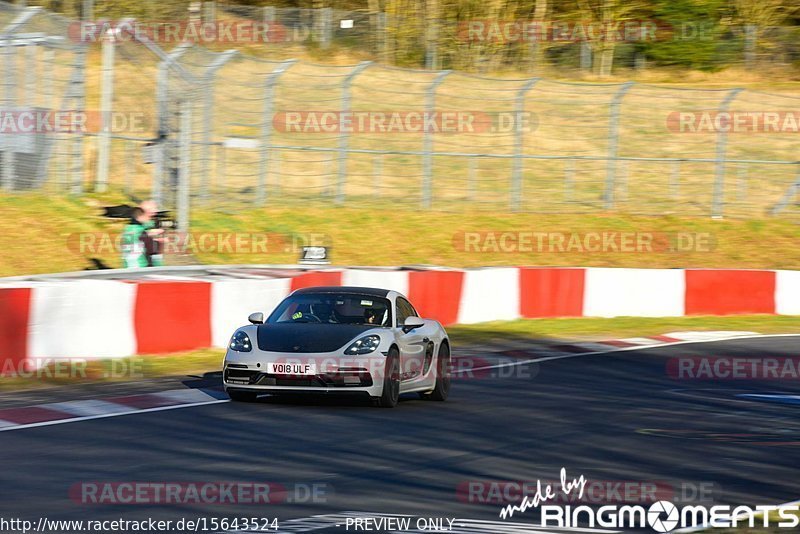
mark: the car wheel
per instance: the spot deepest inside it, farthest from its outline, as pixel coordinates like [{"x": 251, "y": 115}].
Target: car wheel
[
  {"x": 442, "y": 388},
  {"x": 242, "y": 396},
  {"x": 391, "y": 381}
]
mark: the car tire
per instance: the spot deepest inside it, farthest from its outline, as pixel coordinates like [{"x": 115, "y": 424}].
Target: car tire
[
  {"x": 242, "y": 396},
  {"x": 442, "y": 388},
  {"x": 391, "y": 381}
]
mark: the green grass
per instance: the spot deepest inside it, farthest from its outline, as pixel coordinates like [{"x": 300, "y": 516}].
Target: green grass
[
  {"x": 39, "y": 233},
  {"x": 209, "y": 360}
]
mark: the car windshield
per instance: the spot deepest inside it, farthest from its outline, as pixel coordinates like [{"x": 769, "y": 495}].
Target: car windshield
[{"x": 333, "y": 308}]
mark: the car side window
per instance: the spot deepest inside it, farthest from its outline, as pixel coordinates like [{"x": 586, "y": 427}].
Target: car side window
[{"x": 404, "y": 310}]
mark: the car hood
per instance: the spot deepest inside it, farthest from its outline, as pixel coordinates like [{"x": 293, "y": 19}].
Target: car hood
[{"x": 307, "y": 337}]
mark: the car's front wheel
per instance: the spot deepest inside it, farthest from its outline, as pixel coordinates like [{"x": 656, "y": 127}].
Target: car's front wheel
[
  {"x": 242, "y": 396},
  {"x": 391, "y": 381},
  {"x": 442, "y": 388}
]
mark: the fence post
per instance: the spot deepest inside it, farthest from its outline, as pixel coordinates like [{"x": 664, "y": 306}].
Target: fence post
[
  {"x": 519, "y": 139},
  {"x": 208, "y": 118},
  {"x": 327, "y": 27},
  {"x": 162, "y": 98},
  {"x": 78, "y": 95},
  {"x": 750, "y": 39},
  {"x": 9, "y": 101},
  {"x": 266, "y": 128},
  {"x": 106, "y": 107},
  {"x": 185, "y": 164},
  {"x": 49, "y": 61},
  {"x": 210, "y": 12},
  {"x": 344, "y": 136},
  {"x": 718, "y": 200},
  {"x": 87, "y": 13},
  {"x": 613, "y": 140},
  {"x": 30, "y": 73},
  {"x": 427, "y": 141}
]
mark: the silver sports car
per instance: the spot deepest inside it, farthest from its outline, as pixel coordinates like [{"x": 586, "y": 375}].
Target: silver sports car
[{"x": 340, "y": 340}]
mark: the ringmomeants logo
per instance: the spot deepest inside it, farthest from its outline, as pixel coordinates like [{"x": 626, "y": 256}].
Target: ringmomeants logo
[{"x": 663, "y": 516}]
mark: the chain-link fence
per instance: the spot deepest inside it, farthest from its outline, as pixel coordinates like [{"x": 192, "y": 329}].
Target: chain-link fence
[{"x": 227, "y": 130}]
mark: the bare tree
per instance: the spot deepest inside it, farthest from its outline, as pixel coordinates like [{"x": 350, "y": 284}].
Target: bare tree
[{"x": 605, "y": 15}]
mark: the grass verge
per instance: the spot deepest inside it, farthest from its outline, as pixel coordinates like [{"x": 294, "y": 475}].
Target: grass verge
[{"x": 42, "y": 233}]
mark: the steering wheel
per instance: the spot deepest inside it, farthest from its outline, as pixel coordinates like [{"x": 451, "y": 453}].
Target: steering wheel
[{"x": 311, "y": 316}]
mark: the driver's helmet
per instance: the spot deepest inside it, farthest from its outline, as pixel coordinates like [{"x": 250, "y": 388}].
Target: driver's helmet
[{"x": 322, "y": 310}]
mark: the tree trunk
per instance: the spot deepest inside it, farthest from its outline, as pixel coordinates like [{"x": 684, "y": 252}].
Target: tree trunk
[{"x": 538, "y": 43}]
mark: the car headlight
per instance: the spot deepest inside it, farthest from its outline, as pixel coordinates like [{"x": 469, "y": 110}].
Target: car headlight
[
  {"x": 240, "y": 342},
  {"x": 365, "y": 345}
]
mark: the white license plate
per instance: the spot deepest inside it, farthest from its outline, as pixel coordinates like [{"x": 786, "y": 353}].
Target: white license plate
[{"x": 296, "y": 369}]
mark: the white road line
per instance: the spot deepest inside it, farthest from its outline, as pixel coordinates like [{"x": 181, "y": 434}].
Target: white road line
[
  {"x": 642, "y": 340},
  {"x": 88, "y": 407},
  {"x": 499, "y": 366},
  {"x": 103, "y": 416},
  {"x": 186, "y": 395},
  {"x": 765, "y": 396},
  {"x": 621, "y": 349}
]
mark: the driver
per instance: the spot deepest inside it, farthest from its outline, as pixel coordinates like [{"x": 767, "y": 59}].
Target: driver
[
  {"x": 322, "y": 310},
  {"x": 372, "y": 316}
]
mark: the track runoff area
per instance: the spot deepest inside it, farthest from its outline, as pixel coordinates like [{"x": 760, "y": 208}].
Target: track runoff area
[{"x": 535, "y": 438}]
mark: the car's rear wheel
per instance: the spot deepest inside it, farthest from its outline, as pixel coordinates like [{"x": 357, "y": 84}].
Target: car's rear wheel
[
  {"x": 442, "y": 388},
  {"x": 391, "y": 381},
  {"x": 242, "y": 396}
]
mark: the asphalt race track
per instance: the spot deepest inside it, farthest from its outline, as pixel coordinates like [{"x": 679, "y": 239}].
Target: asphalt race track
[{"x": 611, "y": 417}]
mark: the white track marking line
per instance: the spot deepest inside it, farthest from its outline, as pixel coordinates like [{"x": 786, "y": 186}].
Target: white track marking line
[
  {"x": 499, "y": 366},
  {"x": 104, "y": 416},
  {"x": 185, "y": 395},
  {"x": 87, "y": 407},
  {"x": 765, "y": 396},
  {"x": 620, "y": 349},
  {"x": 642, "y": 340},
  {"x": 4, "y": 424}
]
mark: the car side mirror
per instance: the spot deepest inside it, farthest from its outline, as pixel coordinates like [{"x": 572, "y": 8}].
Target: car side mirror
[
  {"x": 256, "y": 318},
  {"x": 411, "y": 323}
]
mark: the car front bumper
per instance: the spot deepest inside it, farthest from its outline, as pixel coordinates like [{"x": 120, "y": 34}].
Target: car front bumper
[{"x": 335, "y": 373}]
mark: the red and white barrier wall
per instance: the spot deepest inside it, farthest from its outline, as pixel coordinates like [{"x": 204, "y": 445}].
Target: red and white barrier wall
[{"x": 109, "y": 319}]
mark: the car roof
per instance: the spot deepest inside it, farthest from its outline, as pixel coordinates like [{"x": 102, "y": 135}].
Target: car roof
[{"x": 371, "y": 291}]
